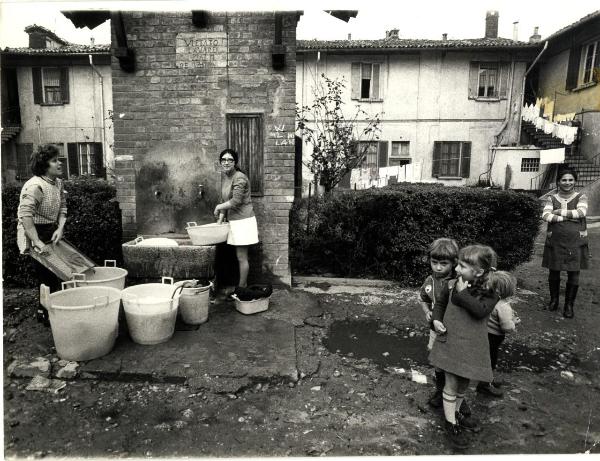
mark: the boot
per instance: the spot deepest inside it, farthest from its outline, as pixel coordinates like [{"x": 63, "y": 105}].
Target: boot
[
  {"x": 570, "y": 295},
  {"x": 436, "y": 400},
  {"x": 554, "y": 285}
]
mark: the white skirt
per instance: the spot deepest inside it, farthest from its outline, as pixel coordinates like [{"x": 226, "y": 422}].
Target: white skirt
[{"x": 243, "y": 232}]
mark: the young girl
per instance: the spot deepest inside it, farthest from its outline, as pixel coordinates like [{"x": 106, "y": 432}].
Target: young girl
[
  {"x": 502, "y": 320},
  {"x": 460, "y": 318}
]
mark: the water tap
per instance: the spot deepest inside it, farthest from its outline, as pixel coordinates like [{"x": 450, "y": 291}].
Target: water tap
[{"x": 201, "y": 191}]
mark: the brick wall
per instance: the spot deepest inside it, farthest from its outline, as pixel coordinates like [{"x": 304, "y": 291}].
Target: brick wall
[{"x": 164, "y": 103}]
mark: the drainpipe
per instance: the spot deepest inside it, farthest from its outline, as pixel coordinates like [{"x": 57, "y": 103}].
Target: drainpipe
[
  {"x": 523, "y": 89},
  {"x": 104, "y": 152}
]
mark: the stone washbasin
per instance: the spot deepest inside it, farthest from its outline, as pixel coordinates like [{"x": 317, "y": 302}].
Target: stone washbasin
[{"x": 185, "y": 261}]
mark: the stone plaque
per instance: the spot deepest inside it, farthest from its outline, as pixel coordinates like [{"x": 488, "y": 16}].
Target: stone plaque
[{"x": 201, "y": 50}]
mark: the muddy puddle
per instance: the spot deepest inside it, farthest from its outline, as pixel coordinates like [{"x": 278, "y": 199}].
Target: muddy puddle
[{"x": 404, "y": 347}]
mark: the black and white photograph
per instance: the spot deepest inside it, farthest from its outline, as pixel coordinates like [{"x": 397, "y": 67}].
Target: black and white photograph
[{"x": 299, "y": 229}]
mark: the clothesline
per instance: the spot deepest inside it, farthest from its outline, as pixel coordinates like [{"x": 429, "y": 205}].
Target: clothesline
[{"x": 565, "y": 133}]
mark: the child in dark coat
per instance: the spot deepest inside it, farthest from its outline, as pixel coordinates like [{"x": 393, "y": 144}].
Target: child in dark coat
[{"x": 461, "y": 348}]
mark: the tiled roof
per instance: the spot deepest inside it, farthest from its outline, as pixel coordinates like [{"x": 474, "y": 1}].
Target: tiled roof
[
  {"x": 69, "y": 49},
  {"x": 401, "y": 43},
  {"x": 47, "y": 32},
  {"x": 583, "y": 20}
]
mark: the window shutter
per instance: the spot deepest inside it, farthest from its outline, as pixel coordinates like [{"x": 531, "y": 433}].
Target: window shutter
[
  {"x": 244, "y": 135},
  {"x": 437, "y": 156},
  {"x": 355, "y": 80},
  {"x": 23, "y": 161},
  {"x": 375, "y": 80},
  {"x": 465, "y": 163},
  {"x": 38, "y": 97},
  {"x": 473, "y": 79},
  {"x": 99, "y": 170},
  {"x": 573, "y": 67},
  {"x": 64, "y": 84},
  {"x": 382, "y": 147},
  {"x": 504, "y": 80},
  {"x": 73, "y": 159}
]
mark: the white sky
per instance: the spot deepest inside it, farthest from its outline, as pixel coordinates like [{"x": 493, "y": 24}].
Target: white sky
[{"x": 419, "y": 19}]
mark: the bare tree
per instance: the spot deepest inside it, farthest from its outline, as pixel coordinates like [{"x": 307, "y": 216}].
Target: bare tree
[{"x": 336, "y": 141}]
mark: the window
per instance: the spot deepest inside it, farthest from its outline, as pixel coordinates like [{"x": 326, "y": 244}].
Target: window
[
  {"x": 530, "y": 165},
  {"x": 451, "y": 159},
  {"x": 366, "y": 81},
  {"x": 23, "y": 157},
  {"x": 369, "y": 150},
  {"x": 591, "y": 63},
  {"x": 244, "y": 135},
  {"x": 84, "y": 159},
  {"x": 50, "y": 85},
  {"x": 488, "y": 80},
  {"x": 400, "y": 155}
]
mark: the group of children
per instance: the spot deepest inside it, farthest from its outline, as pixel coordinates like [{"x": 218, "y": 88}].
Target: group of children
[{"x": 465, "y": 303}]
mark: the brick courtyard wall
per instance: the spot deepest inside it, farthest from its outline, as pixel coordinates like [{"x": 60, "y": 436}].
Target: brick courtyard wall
[{"x": 165, "y": 101}]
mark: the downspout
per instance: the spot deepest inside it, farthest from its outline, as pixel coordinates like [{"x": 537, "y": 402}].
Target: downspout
[
  {"x": 523, "y": 89},
  {"x": 492, "y": 153},
  {"x": 95, "y": 69}
]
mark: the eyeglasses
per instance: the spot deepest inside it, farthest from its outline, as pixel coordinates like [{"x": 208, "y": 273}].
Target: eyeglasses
[{"x": 227, "y": 160}]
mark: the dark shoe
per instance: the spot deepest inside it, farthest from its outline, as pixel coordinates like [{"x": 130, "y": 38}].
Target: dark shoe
[
  {"x": 570, "y": 295},
  {"x": 436, "y": 400},
  {"x": 467, "y": 422},
  {"x": 456, "y": 435},
  {"x": 554, "y": 286},
  {"x": 487, "y": 388},
  {"x": 464, "y": 408}
]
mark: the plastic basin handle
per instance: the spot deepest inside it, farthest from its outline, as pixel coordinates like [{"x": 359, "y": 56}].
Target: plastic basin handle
[
  {"x": 64, "y": 285},
  {"x": 165, "y": 279},
  {"x": 113, "y": 262},
  {"x": 103, "y": 298},
  {"x": 191, "y": 224}
]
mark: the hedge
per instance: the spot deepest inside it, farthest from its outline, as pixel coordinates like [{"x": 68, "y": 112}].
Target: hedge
[
  {"x": 384, "y": 233},
  {"x": 93, "y": 226}
]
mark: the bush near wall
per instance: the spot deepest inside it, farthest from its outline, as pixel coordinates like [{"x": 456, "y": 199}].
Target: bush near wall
[
  {"x": 93, "y": 226},
  {"x": 385, "y": 233}
]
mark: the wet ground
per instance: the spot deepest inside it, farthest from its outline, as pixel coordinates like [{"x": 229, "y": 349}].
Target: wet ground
[{"x": 357, "y": 351}]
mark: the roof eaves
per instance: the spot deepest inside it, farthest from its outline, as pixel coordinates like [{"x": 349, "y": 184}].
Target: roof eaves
[{"x": 574, "y": 25}]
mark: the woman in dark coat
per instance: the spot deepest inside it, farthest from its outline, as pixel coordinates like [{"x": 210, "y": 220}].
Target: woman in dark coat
[{"x": 566, "y": 247}]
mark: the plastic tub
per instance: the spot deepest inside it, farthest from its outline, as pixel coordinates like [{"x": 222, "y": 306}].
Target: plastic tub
[
  {"x": 107, "y": 276},
  {"x": 194, "y": 303},
  {"x": 151, "y": 311},
  {"x": 155, "y": 242},
  {"x": 84, "y": 320},
  {"x": 251, "y": 307},
  {"x": 207, "y": 234}
]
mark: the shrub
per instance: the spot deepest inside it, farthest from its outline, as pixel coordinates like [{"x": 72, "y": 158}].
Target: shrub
[
  {"x": 93, "y": 226},
  {"x": 384, "y": 233}
]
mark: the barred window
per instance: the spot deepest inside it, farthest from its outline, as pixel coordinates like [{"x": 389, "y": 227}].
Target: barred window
[{"x": 530, "y": 165}]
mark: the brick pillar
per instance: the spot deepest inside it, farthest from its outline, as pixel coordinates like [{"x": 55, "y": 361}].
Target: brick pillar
[{"x": 125, "y": 172}]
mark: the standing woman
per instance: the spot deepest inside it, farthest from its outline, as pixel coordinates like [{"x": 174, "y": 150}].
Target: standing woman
[
  {"x": 237, "y": 208},
  {"x": 42, "y": 214},
  {"x": 566, "y": 247}
]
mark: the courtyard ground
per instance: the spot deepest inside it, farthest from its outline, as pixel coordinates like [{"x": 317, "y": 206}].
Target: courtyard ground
[{"x": 332, "y": 368}]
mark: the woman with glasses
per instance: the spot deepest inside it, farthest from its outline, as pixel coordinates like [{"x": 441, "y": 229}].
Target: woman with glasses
[{"x": 237, "y": 209}]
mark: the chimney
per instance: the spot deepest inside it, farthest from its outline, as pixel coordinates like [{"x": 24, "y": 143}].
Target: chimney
[
  {"x": 491, "y": 24},
  {"x": 37, "y": 39},
  {"x": 349, "y": 36},
  {"x": 536, "y": 37},
  {"x": 392, "y": 33},
  {"x": 92, "y": 41},
  {"x": 444, "y": 37},
  {"x": 516, "y": 31}
]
